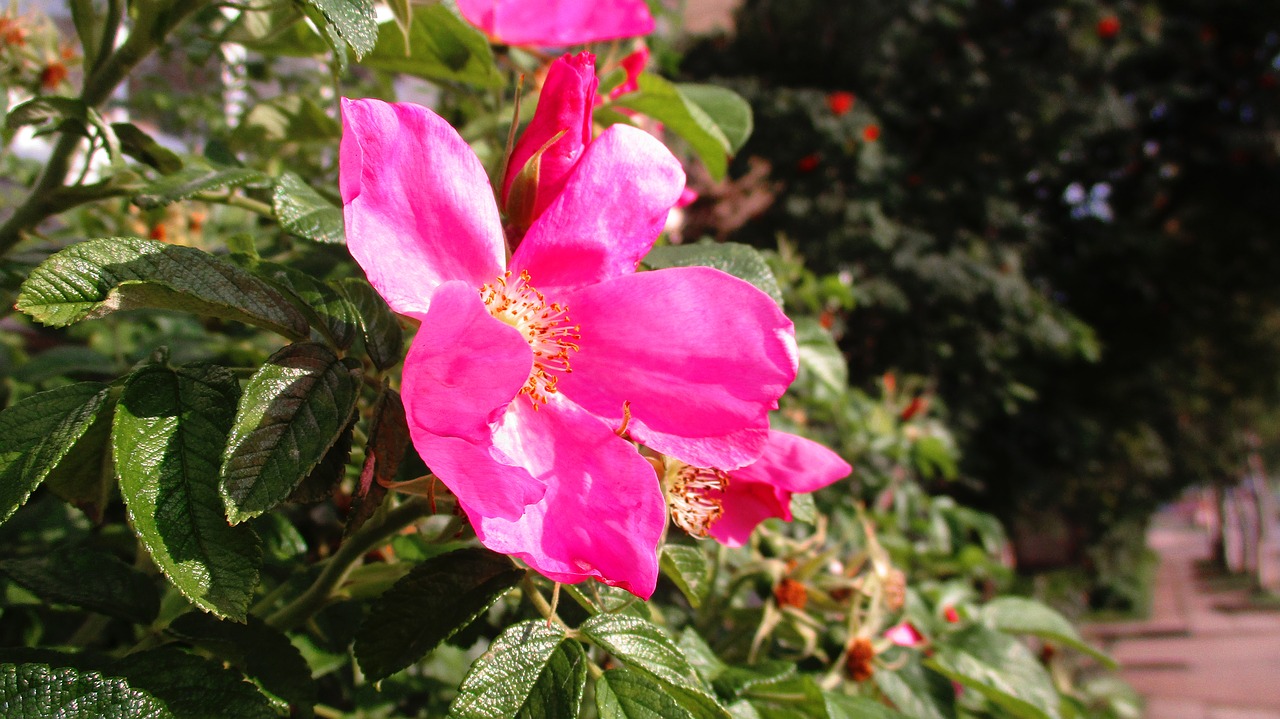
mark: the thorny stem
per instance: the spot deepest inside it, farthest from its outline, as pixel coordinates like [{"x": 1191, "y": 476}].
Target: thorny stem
[
  {"x": 46, "y": 198},
  {"x": 369, "y": 537}
]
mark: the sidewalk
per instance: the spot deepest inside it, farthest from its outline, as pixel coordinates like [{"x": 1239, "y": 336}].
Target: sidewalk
[{"x": 1204, "y": 653}]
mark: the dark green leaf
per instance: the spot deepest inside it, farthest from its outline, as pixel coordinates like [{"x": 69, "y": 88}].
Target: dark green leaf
[
  {"x": 741, "y": 261},
  {"x": 142, "y": 147},
  {"x": 558, "y": 691},
  {"x": 735, "y": 681},
  {"x": 353, "y": 20},
  {"x": 256, "y": 649},
  {"x": 95, "y": 278},
  {"x": 437, "y": 598},
  {"x": 664, "y": 102},
  {"x": 65, "y": 360},
  {"x": 823, "y": 368},
  {"x": 383, "y": 337},
  {"x": 914, "y": 690},
  {"x": 193, "y": 181},
  {"x": 35, "y": 691},
  {"x": 388, "y": 441},
  {"x": 89, "y": 27},
  {"x": 170, "y": 429},
  {"x": 193, "y": 687},
  {"x": 726, "y": 109},
  {"x": 999, "y": 667},
  {"x": 501, "y": 680},
  {"x": 329, "y": 309},
  {"x": 320, "y": 482},
  {"x": 644, "y": 647},
  {"x": 701, "y": 657},
  {"x": 293, "y": 409},
  {"x": 89, "y": 578},
  {"x": 687, "y": 567},
  {"x": 1018, "y": 615},
  {"x": 287, "y": 118},
  {"x": 86, "y": 476},
  {"x": 623, "y": 694},
  {"x": 441, "y": 47},
  {"x": 844, "y": 707},
  {"x": 38, "y": 432},
  {"x": 304, "y": 212}
]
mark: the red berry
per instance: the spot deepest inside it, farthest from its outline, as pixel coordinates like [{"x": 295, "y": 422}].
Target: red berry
[
  {"x": 871, "y": 133},
  {"x": 1108, "y": 27},
  {"x": 840, "y": 102}
]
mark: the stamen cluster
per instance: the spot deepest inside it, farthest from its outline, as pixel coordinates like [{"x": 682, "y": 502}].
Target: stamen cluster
[
  {"x": 545, "y": 326},
  {"x": 694, "y": 497}
]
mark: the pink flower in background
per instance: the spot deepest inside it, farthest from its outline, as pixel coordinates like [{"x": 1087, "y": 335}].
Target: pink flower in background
[
  {"x": 556, "y": 23},
  {"x": 522, "y": 371},
  {"x": 564, "y": 109},
  {"x": 904, "y": 635},
  {"x": 633, "y": 65},
  {"x": 727, "y": 505}
]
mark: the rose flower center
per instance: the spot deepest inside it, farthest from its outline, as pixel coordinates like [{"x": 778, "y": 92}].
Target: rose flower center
[
  {"x": 693, "y": 496},
  {"x": 545, "y": 326}
]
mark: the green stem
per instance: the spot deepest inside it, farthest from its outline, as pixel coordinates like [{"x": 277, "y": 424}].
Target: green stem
[
  {"x": 369, "y": 537},
  {"x": 45, "y": 198},
  {"x": 233, "y": 200}
]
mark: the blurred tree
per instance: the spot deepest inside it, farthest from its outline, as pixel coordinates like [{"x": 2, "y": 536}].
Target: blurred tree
[{"x": 1062, "y": 212}]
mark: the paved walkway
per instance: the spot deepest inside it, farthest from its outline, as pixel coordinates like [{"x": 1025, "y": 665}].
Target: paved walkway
[{"x": 1205, "y": 653}]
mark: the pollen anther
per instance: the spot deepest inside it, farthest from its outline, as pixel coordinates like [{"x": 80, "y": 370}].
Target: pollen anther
[{"x": 545, "y": 326}]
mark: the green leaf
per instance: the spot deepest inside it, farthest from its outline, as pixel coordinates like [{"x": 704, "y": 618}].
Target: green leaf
[
  {"x": 441, "y": 47},
  {"x": 38, "y": 432},
  {"x": 436, "y": 599},
  {"x": 664, "y": 102},
  {"x": 65, "y": 360},
  {"x": 328, "y": 309},
  {"x": 86, "y": 476},
  {"x": 89, "y": 27},
  {"x": 383, "y": 336},
  {"x": 845, "y": 707},
  {"x": 286, "y": 118},
  {"x": 35, "y": 691},
  {"x": 193, "y": 181},
  {"x": 260, "y": 651},
  {"x": 914, "y": 690},
  {"x": 47, "y": 113},
  {"x": 142, "y": 147},
  {"x": 644, "y": 647},
  {"x": 353, "y": 20},
  {"x": 735, "y": 681},
  {"x": 95, "y": 278},
  {"x": 823, "y": 368},
  {"x": 319, "y": 483},
  {"x": 623, "y": 694},
  {"x": 293, "y": 410},
  {"x": 170, "y": 429},
  {"x": 501, "y": 680},
  {"x": 726, "y": 108},
  {"x": 786, "y": 698},
  {"x": 193, "y": 687},
  {"x": 305, "y": 213},
  {"x": 1019, "y": 615},
  {"x": 388, "y": 442},
  {"x": 558, "y": 691},
  {"x": 687, "y": 567},
  {"x": 742, "y": 261},
  {"x": 89, "y": 578},
  {"x": 1000, "y": 668}
]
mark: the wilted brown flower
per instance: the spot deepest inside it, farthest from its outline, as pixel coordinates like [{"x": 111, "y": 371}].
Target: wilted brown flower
[
  {"x": 895, "y": 590},
  {"x": 857, "y": 660},
  {"x": 790, "y": 593}
]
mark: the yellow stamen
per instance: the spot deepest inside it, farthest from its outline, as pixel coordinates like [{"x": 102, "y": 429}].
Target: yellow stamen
[
  {"x": 693, "y": 496},
  {"x": 545, "y": 326}
]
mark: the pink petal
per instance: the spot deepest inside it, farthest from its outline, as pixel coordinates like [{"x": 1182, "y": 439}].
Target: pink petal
[
  {"x": 464, "y": 366},
  {"x": 603, "y": 512},
  {"x": 419, "y": 210},
  {"x": 904, "y": 635},
  {"x": 564, "y": 105},
  {"x": 558, "y": 22},
  {"x": 746, "y": 505},
  {"x": 763, "y": 489},
  {"x": 795, "y": 464},
  {"x": 633, "y": 65},
  {"x": 611, "y": 210},
  {"x": 701, "y": 356}
]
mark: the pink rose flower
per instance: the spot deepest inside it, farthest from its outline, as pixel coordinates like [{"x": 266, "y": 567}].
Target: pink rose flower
[
  {"x": 727, "y": 505},
  {"x": 555, "y": 23},
  {"x": 904, "y": 635},
  {"x": 523, "y": 370}
]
